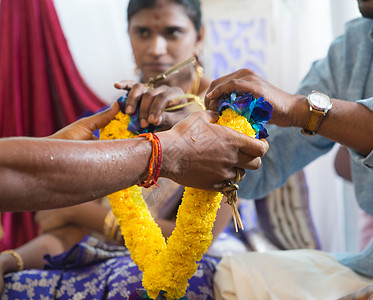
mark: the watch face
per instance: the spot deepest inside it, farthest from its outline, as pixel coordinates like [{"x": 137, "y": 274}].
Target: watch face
[{"x": 319, "y": 101}]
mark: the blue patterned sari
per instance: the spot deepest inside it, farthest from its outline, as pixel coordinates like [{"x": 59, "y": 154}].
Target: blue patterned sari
[{"x": 95, "y": 270}]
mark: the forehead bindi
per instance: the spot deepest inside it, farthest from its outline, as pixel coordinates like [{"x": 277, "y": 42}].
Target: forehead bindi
[
  {"x": 157, "y": 11},
  {"x": 156, "y": 21}
]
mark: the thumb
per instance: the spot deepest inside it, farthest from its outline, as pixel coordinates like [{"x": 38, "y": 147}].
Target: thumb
[{"x": 103, "y": 118}]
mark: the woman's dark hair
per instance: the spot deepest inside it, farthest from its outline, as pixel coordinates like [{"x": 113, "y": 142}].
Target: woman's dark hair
[{"x": 192, "y": 9}]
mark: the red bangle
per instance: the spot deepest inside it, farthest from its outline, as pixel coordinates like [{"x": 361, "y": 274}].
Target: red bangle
[
  {"x": 156, "y": 160},
  {"x": 158, "y": 163}
]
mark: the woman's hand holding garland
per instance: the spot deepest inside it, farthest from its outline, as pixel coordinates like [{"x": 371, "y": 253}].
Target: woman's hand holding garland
[{"x": 153, "y": 104}]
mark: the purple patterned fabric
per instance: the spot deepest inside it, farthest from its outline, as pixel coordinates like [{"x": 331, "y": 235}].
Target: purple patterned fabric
[{"x": 95, "y": 270}]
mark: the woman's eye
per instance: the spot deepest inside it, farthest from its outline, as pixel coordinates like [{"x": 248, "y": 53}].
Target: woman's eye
[
  {"x": 173, "y": 33},
  {"x": 143, "y": 32}
]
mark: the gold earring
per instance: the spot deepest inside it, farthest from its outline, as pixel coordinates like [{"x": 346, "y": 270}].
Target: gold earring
[{"x": 199, "y": 70}]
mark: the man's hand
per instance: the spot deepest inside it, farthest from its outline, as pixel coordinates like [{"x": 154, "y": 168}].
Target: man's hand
[
  {"x": 83, "y": 129},
  {"x": 196, "y": 146},
  {"x": 286, "y": 110}
]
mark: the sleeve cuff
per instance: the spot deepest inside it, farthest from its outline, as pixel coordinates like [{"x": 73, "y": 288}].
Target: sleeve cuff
[
  {"x": 364, "y": 160},
  {"x": 367, "y": 102}
]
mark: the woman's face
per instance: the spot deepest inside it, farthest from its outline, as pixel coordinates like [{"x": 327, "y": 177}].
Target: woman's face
[{"x": 161, "y": 37}]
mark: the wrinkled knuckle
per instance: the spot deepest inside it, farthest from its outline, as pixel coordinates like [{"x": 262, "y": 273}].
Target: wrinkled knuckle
[
  {"x": 235, "y": 81},
  {"x": 151, "y": 93},
  {"x": 137, "y": 85},
  {"x": 91, "y": 126}
]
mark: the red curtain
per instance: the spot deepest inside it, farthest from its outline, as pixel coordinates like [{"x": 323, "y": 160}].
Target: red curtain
[{"x": 40, "y": 88}]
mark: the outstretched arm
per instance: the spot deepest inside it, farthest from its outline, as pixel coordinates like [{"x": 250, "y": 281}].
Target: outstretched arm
[
  {"x": 347, "y": 123},
  {"x": 45, "y": 173},
  {"x": 38, "y": 173}
]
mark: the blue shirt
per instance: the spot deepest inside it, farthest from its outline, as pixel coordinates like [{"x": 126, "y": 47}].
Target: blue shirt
[{"x": 346, "y": 73}]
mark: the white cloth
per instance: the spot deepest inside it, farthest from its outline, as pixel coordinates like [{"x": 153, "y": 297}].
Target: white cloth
[{"x": 288, "y": 274}]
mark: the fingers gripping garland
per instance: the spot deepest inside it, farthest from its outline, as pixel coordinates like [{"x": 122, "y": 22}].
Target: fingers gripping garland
[{"x": 167, "y": 267}]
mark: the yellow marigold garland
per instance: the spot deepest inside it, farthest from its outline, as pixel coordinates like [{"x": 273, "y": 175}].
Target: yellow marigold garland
[{"x": 168, "y": 267}]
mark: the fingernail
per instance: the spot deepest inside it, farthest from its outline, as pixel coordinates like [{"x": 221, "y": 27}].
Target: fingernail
[
  {"x": 129, "y": 109},
  {"x": 159, "y": 122},
  {"x": 143, "y": 123},
  {"x": 151, "y": 119}
]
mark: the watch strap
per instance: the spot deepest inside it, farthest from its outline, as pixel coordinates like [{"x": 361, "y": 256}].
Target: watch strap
[{"x": 314, "y": 121}]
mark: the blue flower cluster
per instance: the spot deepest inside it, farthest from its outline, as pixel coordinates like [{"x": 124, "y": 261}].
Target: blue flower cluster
[{"x": 256, "y": 111}]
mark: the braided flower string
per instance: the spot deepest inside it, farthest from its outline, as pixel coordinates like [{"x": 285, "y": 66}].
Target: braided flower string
[{"x": 168, "y": 267}]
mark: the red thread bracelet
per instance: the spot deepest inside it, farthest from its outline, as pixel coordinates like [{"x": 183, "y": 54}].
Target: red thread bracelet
[
  {"x": 156, "y": 160},
  {"x": 158, "y": 163}
]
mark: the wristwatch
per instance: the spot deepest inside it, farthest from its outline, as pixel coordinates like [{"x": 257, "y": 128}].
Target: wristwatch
[{"x": 320, "y": 104}]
